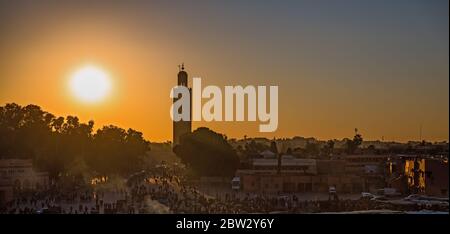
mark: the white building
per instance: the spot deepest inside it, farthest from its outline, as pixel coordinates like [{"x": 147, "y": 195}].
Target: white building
[
  {"x": 18, "y": 175},
  {"x": 288, "y": 163}
]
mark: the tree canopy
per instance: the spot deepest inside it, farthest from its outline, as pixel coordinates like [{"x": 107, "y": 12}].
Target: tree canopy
[
  {"x": 55, "y": 143},
  {"x": 352, "y": 145},
  {"x": 208, "y": 153}
]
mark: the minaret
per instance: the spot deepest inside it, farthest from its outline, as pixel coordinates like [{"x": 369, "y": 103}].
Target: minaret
[
  {"x": 182, "y": 76},
  {"x": 181, "y": 127}
]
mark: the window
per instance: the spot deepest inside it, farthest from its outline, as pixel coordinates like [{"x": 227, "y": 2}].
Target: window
[{"x": 308, "y": 187}]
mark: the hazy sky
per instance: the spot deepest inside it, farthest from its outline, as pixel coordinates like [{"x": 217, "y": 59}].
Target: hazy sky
[{"x": 379, "y": 66}]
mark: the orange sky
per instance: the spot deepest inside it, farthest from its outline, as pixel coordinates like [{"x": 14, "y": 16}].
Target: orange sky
[{"x": 334, "y": 72}]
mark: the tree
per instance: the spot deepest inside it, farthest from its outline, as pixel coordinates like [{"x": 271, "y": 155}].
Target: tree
[
  {"x": 56, "y": 144},
  {"x": 253, "y": 148},
  {"x": 328, "y": 148},
  {"x": 352, "y": 145},
  {"x": 289, "y": 151},
  {"x": 312, "y": 148},
  {"x": 330, "y": 144},
  {"x": 273, "y": 147},
  {"x": 117, "y": 151},
  {"x": 207, "y": 153}
]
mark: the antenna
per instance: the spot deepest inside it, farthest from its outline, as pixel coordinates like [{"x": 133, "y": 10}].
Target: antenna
[{"x": 420, "y": 132}]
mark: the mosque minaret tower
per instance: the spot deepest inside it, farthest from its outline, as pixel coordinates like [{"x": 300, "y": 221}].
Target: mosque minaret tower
[{"x": 181, "y": 127}]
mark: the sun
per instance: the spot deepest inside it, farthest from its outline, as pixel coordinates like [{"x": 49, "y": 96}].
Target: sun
[{"x": 90, "y": 84}]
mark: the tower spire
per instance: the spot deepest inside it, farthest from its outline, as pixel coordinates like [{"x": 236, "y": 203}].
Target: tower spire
[{"x": 181, "y": 67}]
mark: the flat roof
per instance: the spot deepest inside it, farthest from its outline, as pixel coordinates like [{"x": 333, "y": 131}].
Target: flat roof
[{"x": 284, "y": 162}]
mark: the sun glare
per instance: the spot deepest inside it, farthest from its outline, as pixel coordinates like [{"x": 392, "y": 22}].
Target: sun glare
[{"x": 90, "y": 84}]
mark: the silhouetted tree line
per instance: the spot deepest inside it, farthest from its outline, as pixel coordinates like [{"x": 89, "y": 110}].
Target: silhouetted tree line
[
  {"x": 208, "y": 153},
  {"x": 254, "y": 148},
  {"x": 55, "y": 143}
]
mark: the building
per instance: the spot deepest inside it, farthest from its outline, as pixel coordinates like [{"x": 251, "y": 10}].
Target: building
[
  {"x": 436, "y": 177},
  {"x": 411, "y": 174},
  {"x": 299, "y": 175},
  {"x": 288, "y": 164},
  {"x": 371, "y": 168},
  {"x": 6, "y": 191},
  {"x": 288, "y": 182},
  {"x": 181, "y": 127},
  {"x": 18, "y": 175},
  {"x": 366, "y": 164}
]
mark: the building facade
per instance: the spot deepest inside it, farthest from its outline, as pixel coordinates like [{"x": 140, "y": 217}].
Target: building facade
[
  {"x": 436, "y": 177},
  {"x": 18, "y": 175},
  {"x": 306, "y": 175}
]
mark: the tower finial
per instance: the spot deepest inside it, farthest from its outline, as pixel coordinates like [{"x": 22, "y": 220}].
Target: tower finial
[{"x": 182, "y": 66}]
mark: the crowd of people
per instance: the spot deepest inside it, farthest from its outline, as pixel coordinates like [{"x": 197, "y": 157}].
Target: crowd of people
[
  {"x": 77, "y": 201},
  {"x": 173, "y": 192},
  {"x": 169, "y": 192}
]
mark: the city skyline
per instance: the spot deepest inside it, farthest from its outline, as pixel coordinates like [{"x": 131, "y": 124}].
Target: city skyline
[{"x": 379, "y": 67}]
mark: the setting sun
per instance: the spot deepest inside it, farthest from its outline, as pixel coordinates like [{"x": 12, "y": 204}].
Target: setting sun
[{"x": 90, "y": 84}]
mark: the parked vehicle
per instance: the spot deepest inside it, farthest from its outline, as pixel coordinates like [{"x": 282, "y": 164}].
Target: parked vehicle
[
  {"x": 388, "y": 192},
  {"x": 332, "y": 189},
  {"x": 236, "y": 183},
  {"x": 365, "y": 195}
]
